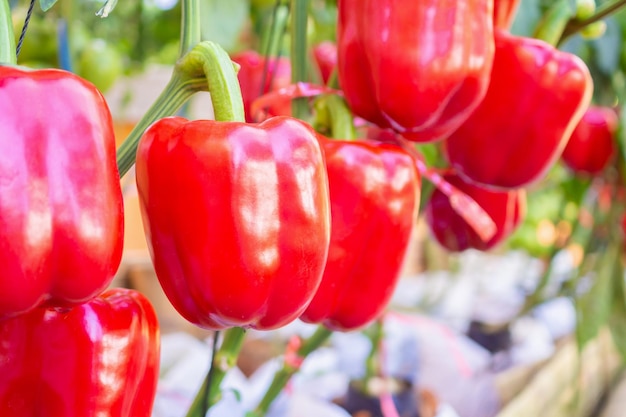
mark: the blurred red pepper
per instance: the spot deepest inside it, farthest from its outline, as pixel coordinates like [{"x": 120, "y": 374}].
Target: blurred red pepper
[
  {"x": 61, "y": 207},
  {"x": 325, "y": 56},
  {"x": 536, "y": 97},
  {"x": 592, "y": 144},
  {"x": 504, "y": 13},
  {"x": 257, "y": 76},
  {"x": 237, "y": 218},
  {"x": 419, "y": 67},
  {"x": 97, "y": 359},
  {"x": 506, "y": 208},
  {"x": 374, "y": 195}
]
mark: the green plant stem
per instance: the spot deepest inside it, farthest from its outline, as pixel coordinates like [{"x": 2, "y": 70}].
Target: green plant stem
[
  {"x": 191, "y": 29},
  {"x": 283, "y": 375},
  {"x": 574, "y": 26},
  {"x": 7, "y": 38},
  {"x": 299, "y": 17},
  {"x": 208, "y": 59},
  {"x": 207, "y": 67},
  {"x": 333, "y": 115},
  {"x": 223, "y": 360},
  {"x": 375, "y": 334},
  {"x": 552, "y": 25},
  {"x": 273, "y": 36},
  {"x": 176, "y": 93}
]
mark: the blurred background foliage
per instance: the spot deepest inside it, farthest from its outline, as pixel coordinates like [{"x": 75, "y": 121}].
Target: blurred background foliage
[{"x": 142, "y": 32}]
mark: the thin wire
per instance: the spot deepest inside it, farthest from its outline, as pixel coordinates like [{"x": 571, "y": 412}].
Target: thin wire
[{"x": 29, "y": 13}]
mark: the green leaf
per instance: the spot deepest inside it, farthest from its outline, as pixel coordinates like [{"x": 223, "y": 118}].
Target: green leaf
[
  {"x": 223, "y": 21},
  {"x": 106, "y": 9},
  {"x": 235, "y": 392},
  {"x": 593, "y": 308},
  {"x": 47, "y": 4}
]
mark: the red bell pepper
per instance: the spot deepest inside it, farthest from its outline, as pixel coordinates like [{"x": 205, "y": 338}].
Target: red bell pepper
[
  {"x": 504, "y": 13},
  {"x": 506, "y": 208},
  {"x": 419, "y": 67},
  {"x": 325, "y": 56},
  {"x": 100, "y": 358},
  {"x": 592, "y": 144},
  {"x": 374, "y": 194},
  {"x": 237, "y": 218},
  {"x": 536, "y": 97},
  {"x": 61, "y": 206},
  {"x": 259, "y": 75}
]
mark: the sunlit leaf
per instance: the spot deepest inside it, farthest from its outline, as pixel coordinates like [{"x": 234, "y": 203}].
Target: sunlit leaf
[
  {"x": 106, "y": 9},
  {"x": 46, "y": 4}
]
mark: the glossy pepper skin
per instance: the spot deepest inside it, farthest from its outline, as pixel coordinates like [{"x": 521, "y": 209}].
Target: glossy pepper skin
[
  {"x": 419, "y": 67},
  {"x": 536, "y": 97},
  {"x": 506, "y": 208},
  {"x": 325, "y": 57},
  {"x": 374, "y": 194},
  {"x": 504, "y": 13},
  {"x": 592, "y": 144},
  {"x": 237, "y": 218},
  {"x": 100, "y": 358},
  {"x": 61, "y": 206},
  {"x": 258, "y": 75}
]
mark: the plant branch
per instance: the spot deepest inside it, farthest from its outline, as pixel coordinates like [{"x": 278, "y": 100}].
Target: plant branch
[
  {"x": 224, "y": 359},
  {"x": 574, "y": 26},
  {"x": 290, "y": 366},
  {"x": 191, "y": 30},
  {"x": 299, "y": 17}
]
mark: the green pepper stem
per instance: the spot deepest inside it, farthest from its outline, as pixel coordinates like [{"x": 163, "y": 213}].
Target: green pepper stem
[
  {"x": 191, "y": 30},
  {"x": 207, "y": 67},
  {"x": 210, "y": 60},
  {"x": 223, "y": 360},
  {"x": 333, "y": 114},
  {"x": 176, "y": 93},
  {"x": 375, "y": 335},
  {"x": 283, "y": 375},
  {"x": 299, "y": 17},
  {"x": 7, "y": 37}
]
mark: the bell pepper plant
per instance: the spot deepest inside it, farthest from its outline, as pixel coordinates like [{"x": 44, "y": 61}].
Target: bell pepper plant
[
  {"x": 536, "y": 96},
  {"x": 506, "y": 208},
  {"x": 592, "y": 145},
  {"x": 239, "y": 230},
  {"x": 253, "y": 225},
  {"x": 405, "y": 69},
  {"x": 61, "y": 207},
  {"x": 100, "y": 358}
]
